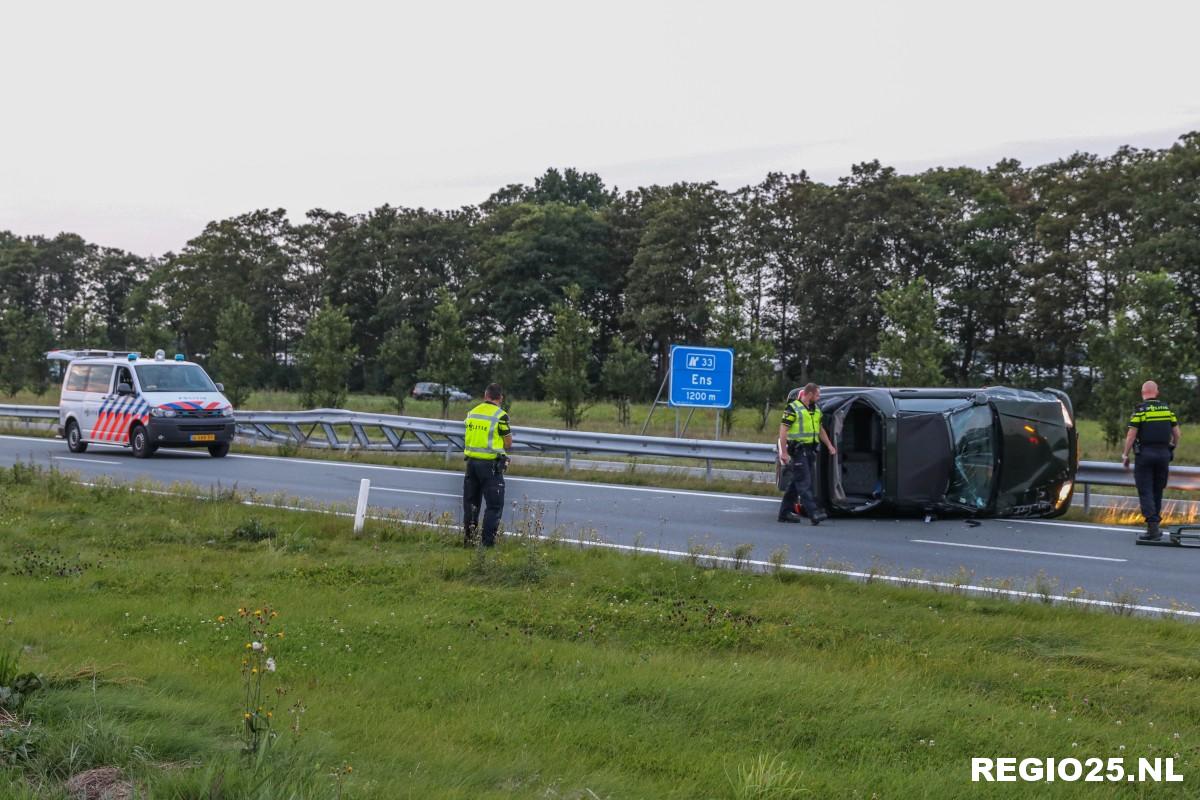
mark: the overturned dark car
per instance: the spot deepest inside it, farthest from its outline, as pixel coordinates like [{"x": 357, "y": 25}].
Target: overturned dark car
[{"x": 996, "y": 452}]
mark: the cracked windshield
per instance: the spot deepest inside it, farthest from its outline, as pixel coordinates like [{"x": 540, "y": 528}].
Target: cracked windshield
[{"x": 974, "y": 457}]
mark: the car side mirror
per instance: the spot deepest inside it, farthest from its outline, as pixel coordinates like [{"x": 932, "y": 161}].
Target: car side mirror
[
  {"x": 124, "y": 389},
  {"x": 220, "y": 387}
]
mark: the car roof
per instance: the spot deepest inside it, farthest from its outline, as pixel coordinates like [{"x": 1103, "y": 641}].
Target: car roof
[{"x": 140, "y": 362}]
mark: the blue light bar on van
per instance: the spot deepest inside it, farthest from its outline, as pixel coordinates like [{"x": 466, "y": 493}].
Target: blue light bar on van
[
  {"x": 133, "y": 356},
  {"x": 179, "y": 356}
]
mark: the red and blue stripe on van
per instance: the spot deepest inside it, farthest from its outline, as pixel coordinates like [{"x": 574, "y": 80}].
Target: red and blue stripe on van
[
  {"x": 116, "y": 416},
  {"x": 187, "y": 405}
]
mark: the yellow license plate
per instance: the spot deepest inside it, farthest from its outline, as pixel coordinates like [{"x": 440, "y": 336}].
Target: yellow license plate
[{"x": 204, "y": 437}]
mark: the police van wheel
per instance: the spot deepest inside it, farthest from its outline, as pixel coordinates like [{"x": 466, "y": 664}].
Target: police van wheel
[
  {"x": 139, "y": 441},
  {"x": 75, "y": 442},
  {"x": 219, "y": 450}
]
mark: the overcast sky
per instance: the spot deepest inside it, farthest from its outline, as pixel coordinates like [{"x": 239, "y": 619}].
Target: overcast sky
[{"x": 133, "y": 124}]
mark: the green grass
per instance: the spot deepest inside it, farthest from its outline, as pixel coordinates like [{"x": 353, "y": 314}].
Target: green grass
[{"x": 540, "y": 670}]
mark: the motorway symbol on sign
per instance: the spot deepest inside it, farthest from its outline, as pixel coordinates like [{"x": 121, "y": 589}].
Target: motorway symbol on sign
[{"x": 701, "y": 377}]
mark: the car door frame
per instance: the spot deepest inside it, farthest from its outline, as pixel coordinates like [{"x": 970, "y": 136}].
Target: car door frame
[{"x": 96, "y": 401}]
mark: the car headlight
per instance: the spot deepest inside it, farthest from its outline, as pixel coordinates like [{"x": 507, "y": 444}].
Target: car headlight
[
  {"x": 163, "y": 412},
  {"x": 1064, "y": 491},
  {"x": 1070, "y": 423}
]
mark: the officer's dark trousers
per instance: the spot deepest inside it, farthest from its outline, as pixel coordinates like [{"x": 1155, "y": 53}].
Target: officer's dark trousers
[
  {"x": 1150, "y": 474},
  {"x": 482, "y": 483},
  {"x": 804, "y": 470}
]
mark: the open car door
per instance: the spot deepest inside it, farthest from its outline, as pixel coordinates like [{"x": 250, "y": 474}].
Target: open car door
[{"x": 856, "y": 474}]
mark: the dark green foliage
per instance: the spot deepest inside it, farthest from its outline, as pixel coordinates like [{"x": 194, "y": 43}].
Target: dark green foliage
[
  {"x": 15, "y": 688},
  {"x": 400, "y": 357},
  {"x": 325, "y": 356},
  {"x": 236, "y": 359},
  {"x": 625, "y": 376},
  {"x": 449, "y": 353},
  {"x": 509, "y": 368},
  {"x": 1029, "y": 272},
  {"x": 23, "y": 341},
  {"x": 254, "y": 530},
  {"x": 911, "y": 345},
  {"x": 568, "y": 353}
]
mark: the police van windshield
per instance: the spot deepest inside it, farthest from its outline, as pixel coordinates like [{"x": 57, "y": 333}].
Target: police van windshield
[
  {"x": 974, "y": 451},
  {"x": 174, "y": 378}
]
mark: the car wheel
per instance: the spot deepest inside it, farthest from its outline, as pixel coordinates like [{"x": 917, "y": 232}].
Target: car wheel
[
  {"x": 219, "y": 450},
  {"x": 139, "y": 440},
  {"x": 75, "y": 442}
]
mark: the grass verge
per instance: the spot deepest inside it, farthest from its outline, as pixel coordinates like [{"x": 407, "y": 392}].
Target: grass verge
[{"x": 414, "y": 668}]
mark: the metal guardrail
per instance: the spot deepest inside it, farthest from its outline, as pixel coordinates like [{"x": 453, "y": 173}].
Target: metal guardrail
[
  {"x": 350, "y": 430},
  {"x": 29, "y": 412}
]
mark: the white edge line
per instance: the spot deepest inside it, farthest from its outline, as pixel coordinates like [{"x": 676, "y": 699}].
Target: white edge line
[
  {"x": 1017, "y": 550},
  {"x": 413, "y": 491},
  {"x": 1074, "y": 525},
  {"x": 864, "y": 576},
  {"x": 84, "y": 460}
]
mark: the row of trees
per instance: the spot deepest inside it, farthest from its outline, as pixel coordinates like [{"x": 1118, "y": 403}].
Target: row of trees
[{"x": 1068, "y": 273}]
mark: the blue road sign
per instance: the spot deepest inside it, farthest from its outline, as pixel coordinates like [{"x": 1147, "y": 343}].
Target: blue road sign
[{"x": 701, "y": 376}]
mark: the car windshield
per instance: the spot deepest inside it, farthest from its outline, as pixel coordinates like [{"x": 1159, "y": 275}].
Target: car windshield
[
  {"x": 974, "y": 457},
  {"x": 172, "y": 378}
]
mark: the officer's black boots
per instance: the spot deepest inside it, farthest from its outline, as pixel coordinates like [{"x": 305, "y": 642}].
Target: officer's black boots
[
  {"x": 790, "y": 516},
  {"x": 1152, "y": 533},
  {"x": 818, "y": 517}
]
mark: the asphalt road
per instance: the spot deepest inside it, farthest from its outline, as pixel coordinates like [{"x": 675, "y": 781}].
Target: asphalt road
[{"x": 1102, "y": 560}]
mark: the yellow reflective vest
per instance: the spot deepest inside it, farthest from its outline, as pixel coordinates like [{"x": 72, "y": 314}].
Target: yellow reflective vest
[
  {"x": 806, "y": 428},
  {"x": 483, "y": 439}
]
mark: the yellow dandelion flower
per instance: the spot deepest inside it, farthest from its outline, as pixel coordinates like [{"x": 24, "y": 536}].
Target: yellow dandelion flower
[
  {"x": 258, "y": 612},
  {"x": 241, "y": 612},
  {"x": 274, "y": 614},
  {"x": 246, "y": 715},
  {"x": 254, "y": 670},
  {"x": 269, "y": 715},
  {"x": 279, "y": 635},
  {"x": 349, "y": 768},
  {"x": 248, "y": 645},
  {"x": 220, "y": 617}
]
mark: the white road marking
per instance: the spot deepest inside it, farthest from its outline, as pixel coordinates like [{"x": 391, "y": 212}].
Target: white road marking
[
  {"x": 84, "y": 460},
  {"x": 1076, "y": 525},
  {"x": 511, "y": 479},
  {"x": 1018, "y": 550},
  {"x": 414, "y": 491}
]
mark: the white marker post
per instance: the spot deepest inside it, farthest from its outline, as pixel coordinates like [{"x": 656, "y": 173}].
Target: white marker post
[{"x": 360, "y": 514}]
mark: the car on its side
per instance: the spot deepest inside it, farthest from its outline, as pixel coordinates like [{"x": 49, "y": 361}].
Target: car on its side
[
  {"x": 426, "y": 390},
  {"x": 995, "y": 452},
  {"x": 142, "y": 403}
]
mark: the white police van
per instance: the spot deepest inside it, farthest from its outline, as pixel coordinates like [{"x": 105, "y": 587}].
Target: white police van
[{"x": 142, "y": 403}]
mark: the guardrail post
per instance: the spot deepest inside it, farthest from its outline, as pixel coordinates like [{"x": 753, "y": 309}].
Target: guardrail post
[
  {"x": 360, "y": 513},
  {"x": 708, "y": 470},
  {"x": 1087, "y": 497},
  {"x": 566, "y": 461}
]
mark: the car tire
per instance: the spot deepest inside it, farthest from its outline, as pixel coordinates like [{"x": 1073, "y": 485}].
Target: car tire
[
  {"x": 75, "y": 442},
  {"x": 139, "y": 442},
  {"x": 219, "y": 450}
]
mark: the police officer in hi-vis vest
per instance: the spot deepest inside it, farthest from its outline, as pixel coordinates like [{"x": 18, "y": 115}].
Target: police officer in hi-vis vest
[
  {"x": 799, "y": 431},
  {"x": 1153, "y": 435},
  {"x": 487, "y": 438}
]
